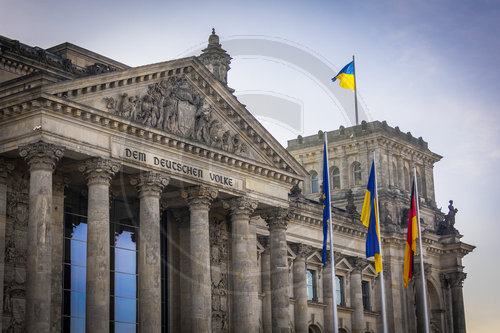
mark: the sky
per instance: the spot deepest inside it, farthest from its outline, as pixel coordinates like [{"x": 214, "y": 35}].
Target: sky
[{"x": 429, "y": 67}]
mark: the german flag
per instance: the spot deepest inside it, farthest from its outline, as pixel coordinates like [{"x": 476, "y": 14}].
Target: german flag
[{"x": 411, "y": 237}]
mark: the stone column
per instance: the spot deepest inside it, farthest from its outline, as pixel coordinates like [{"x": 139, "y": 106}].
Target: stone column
[
  {"x": 149, "y": 185},
  {"x": 277, "y": 220},
  {"x": 199, "y": 199},
  {"x": 358, "y": 318},
  {"x": 300, "y": 286},
  {"x": 244, "y": 288},
  {"x": 327, "y": 295},
  {"x": 5, "y": 167},
  {"x": 41, "y": 158},
  {"x": 98, "y": 172},
  {"x": 456, "y": 280},
  {"x": 266, "y": 284}
]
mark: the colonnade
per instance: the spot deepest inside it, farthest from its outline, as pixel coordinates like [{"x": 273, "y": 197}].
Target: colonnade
[{"x": 42, "y": 159}]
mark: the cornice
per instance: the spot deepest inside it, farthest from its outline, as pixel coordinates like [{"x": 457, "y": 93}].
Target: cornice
[{"x": 156, "y": 136}]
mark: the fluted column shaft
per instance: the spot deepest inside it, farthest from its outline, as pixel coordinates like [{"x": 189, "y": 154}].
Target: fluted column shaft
[
  {"x": 5, "y": 168},
  {"x": 98, "y": 173},
  {"x": 300, "y": 287},
  {"x": 358, "y": 319},
  {"x": 150, "y": 186},
  {"x": 456, "y": 280},
  {"x": 199, "y": 199},
  {"x": 244, "y": 289},
  {"x": 266, "y": 285},
  {"x": 41, "y": 158},
  {"x": 182, "y": 217},
  {"x": 278, "y": 219}
]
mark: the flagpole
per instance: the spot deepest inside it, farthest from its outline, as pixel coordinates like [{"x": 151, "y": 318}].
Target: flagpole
[
  {"x": 355, "y": 90},
  {"x": 332, "y": 257},
  {"x": 422, "y": 269},
  {"x": 381, "y": 274}
]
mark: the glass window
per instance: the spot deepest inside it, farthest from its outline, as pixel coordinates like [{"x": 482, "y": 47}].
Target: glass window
[
  {"x": 335, "y": 178},
  {"x": 339, "y": 289},
  {"x": 356, "y": 172},
  {"x": 311, "y": 285},
  {"x": 314, "y": 181},
  {"x": 75, "y": 261},
  {"x": 365, "y": 289},
  {"x": 123, "y": 233}
]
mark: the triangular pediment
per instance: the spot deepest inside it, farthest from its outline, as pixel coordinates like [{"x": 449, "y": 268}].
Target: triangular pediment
[
  {"x": 343, "y": 265},
  {"x": 181, "y": 98}
]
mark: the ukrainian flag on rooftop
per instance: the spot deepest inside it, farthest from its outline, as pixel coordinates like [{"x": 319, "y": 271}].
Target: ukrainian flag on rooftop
[{"x": 346, "y": 76}]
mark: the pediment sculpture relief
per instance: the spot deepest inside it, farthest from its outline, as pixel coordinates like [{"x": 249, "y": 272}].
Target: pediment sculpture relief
[{"x": 173, "y": 106}]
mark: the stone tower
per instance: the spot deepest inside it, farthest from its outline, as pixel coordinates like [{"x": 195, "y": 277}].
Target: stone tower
[{"x": 215, "y": 58}]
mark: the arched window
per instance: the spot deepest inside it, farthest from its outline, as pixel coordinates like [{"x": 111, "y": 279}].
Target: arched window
[
  {"x": 356, "y": 173},
  {"x": 314, "y": 181},
  {"x": 335, "y": 178}
]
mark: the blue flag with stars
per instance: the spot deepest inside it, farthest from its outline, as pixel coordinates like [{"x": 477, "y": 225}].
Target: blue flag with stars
[{"x": 326, "y": 203}]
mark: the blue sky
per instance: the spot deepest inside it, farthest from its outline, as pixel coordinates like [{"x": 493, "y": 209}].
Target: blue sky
[{"x": 429, "y": 67}]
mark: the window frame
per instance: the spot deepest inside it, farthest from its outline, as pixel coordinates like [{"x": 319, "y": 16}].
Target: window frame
[
  {"x": 314, "y": 286},
  {"x": 357, "y": 175}
]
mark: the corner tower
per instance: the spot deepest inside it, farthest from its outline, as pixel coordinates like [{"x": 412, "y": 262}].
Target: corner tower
[{"x": 215, "y": 58}]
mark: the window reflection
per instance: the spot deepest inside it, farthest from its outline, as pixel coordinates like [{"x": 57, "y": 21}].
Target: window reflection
[
  {"x": 123, "y": 234},
  {"x": 75, "y": 262}
]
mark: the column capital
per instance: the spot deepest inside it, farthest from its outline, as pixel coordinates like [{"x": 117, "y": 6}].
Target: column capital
[
  {"x": 60, "y": 182},
  {"x": 416, "y": 269},
  {"x": 41, "y": 155},
  {"x": 264, "y": 241},
  {"x": 149, "y": 183},
  {"x": 98, "y": 170},
  {"x": 302, "y": 251},
  {"x": 277, "y": 218},
  {"x": 455, "y": 279},
  {"x": 6, "y": 166},
  {"x": 181, "y": 215},
  {"x": 357, "y": 263},
  {"x": 242, "y": 206},
  {"x": 199, "y": 197}
]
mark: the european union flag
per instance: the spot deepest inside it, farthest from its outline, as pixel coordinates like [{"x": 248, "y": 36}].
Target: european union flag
[
  {"x": 369, "y": 219},
  {"x": 326, "y": 203}
]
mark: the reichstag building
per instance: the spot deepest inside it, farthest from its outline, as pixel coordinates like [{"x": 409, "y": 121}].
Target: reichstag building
[{"x": 149, "y": 199}]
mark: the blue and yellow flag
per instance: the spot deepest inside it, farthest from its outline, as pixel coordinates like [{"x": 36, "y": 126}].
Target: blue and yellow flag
[
  {"x": 369, "y": 219},
  {"x": 326, "y": 204},
  {"x": 346, "y": 76}
]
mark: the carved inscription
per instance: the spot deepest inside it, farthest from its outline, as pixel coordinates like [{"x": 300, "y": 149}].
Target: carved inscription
[
  {"x": 179, "y": 167},
  {"x": 172, "y": 105}
]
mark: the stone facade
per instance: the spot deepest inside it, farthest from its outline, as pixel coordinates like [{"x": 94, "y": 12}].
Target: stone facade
[{"x": 150, "y": 199}]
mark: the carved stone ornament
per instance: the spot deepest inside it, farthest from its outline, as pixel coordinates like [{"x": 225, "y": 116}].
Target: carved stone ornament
[
  {"x": 240, "y": 206},
  {"x": 6, "y": 167},
  {"x": 199, "y": 197},
  {"x": 277, "y": 218},
  {"x": 302, "y": 251},
  {"x": 455, "y": 279},
  {"x": 41, "y": 155},
  {"x": 264, "y": 241},
  {"x": 173, "y": 105},
  {"x": 99, "y": 170},
  {"x": 150, "y": 183},
  {"x": 358, "y": 264}
]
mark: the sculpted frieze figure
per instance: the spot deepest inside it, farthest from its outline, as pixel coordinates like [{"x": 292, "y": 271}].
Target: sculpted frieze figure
[{"x": 174, "y": 106}]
